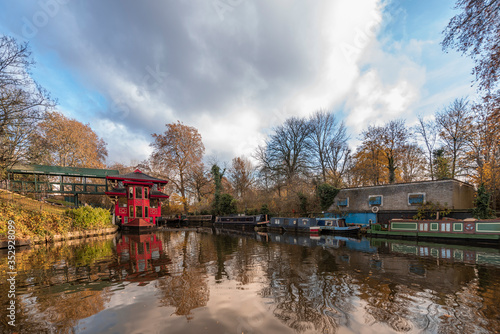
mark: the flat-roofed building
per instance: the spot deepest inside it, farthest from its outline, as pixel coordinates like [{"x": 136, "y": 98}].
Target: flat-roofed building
[{"x": 363, "y": 205}]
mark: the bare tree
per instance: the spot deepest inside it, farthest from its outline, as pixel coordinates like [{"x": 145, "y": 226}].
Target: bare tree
[
  {"x": 200, "y": 182},
  {"x": 428, "y": 131},
  {"x": 328, "y": 144},
  {"x": 287, "y": 149},
  {"x": 454, "y": 127},
  {"x": 22, "y": 102}
]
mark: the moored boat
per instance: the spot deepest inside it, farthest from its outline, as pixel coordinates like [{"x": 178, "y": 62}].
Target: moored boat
[
  {"x": 336, "y": 225},
  {"x": 467, "y": 229},
  {"x": 300, "y": 225},
  {"x": 241, "y": 221}
]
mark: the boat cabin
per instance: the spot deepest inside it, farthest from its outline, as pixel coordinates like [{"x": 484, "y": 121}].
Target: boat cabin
[
  {"x": 333, "y": 222},
  {"x": 303, "y": 224}
]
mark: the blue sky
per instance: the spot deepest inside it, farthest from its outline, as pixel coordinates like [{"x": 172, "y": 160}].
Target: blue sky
[{"x": 235, "y": 69}]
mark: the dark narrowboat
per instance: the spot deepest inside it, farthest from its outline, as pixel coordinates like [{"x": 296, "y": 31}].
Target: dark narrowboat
[{"x": 241, "y": 221}]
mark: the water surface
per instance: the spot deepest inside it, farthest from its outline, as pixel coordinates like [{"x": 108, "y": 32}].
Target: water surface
[{"x": 225, "y": 282}]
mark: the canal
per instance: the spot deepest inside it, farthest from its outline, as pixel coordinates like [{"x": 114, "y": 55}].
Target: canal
[{"x": 208, "y": 281}]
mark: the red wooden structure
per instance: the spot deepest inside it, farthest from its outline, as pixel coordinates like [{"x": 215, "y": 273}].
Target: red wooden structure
[{"x": 137, "y": 199}]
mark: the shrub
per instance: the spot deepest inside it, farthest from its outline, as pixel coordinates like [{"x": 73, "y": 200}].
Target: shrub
[{"x": 87, "y": 217}]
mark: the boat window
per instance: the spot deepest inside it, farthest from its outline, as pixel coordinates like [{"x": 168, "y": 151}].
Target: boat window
[
  {"x": 138, "y": 192},
  {"x": 286, "y": 221}
]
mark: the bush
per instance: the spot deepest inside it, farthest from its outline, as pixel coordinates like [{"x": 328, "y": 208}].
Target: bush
[{"x": 87, "y": 217}]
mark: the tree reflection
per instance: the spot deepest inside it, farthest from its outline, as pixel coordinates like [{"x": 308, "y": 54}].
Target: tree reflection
[
  {"x": 187, "y": 289},
  {"x": 54, "y": 284},
  {"x": 306, "y": 298}
]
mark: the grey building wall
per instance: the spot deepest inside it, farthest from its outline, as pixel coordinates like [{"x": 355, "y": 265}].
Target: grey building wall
[{"x": 455, "y": 194}]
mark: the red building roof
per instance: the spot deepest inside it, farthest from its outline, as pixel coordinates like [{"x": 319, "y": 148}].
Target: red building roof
[{"x": 136, "y": 176}]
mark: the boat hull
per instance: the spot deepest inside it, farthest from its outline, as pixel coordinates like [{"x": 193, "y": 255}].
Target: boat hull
[{"x": 340, "y": 230}]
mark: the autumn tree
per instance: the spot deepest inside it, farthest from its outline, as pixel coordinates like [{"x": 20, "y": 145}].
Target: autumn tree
[
  {"x": 178, "y": 152},
  {"x": 22, "y": 102},
  {"x": 241, "y": 175},
  {"x": 454, "y": 124},
  {"x": 475, "y": 31},
  {"x": 483, "y": 153},
  {"x": 383, "y": 146},
  {"x": 63, "y": 141},
  {"x": 366, "y": 167},
  {"x": 328, "y": 145}
]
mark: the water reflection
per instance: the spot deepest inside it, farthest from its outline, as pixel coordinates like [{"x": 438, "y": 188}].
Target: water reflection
[
  {"x": 139, "y": 259},
  {"x": 221, "y": 281}
]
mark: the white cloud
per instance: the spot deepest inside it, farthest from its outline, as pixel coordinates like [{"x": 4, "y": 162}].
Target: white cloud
[{"x": 235, "y": 77}]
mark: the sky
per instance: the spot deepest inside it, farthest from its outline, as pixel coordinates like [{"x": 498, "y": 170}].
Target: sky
[{"x": 234, "y": 69}]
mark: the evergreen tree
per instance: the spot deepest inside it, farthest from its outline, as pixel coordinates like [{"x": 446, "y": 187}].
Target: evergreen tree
[{"x": 482, "y": 209}]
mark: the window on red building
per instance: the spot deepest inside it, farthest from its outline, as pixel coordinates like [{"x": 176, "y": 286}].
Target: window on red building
[
  {"x": 138, "y": 192},
  {"x": 138, "y": 211}
]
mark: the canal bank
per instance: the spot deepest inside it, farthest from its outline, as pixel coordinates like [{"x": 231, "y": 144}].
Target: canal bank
[
  {"x": 33, "y": 222},
  {"x": 60, "y": 237}
]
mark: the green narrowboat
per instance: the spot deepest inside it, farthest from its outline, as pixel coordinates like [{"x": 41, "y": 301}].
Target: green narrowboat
[{"x": 453, "y": 229}]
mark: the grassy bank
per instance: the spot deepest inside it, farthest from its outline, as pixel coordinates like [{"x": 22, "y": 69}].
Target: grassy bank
[{"x": 40, "y": 220}]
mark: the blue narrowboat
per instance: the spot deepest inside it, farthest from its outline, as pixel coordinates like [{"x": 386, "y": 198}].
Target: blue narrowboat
[
  {"x": 336, "y": 225},
  {"x": 301, "y": 225}
]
